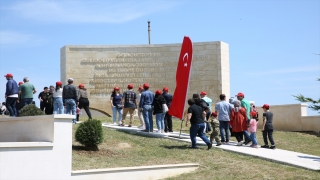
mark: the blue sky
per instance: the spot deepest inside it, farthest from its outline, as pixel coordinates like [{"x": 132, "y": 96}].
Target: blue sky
[{"x": 274, "y": 45}]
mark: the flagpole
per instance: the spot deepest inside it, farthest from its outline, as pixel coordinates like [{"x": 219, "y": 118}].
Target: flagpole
[{"x": 181, "y": 127}]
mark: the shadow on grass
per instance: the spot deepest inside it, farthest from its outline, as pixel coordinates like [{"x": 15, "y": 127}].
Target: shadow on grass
[
  {"x": 84, "y": 148},
  {"x": 141, "y": 134},
  {"x": 309, "y": 133},
  {"x": 176, "y": 147},
  {"x": 310, "y": 157}
]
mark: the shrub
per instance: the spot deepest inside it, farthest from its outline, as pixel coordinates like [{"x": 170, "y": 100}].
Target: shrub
[
  {"x": 31, "y": 110},
  {"x": 90, "y": 133}
]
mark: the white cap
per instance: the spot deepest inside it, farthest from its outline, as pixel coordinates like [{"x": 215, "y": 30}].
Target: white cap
[{"x": 70, "y": 80}]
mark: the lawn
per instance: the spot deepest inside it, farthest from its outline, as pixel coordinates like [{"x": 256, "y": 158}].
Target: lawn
[{"x": 122, "y": 149}]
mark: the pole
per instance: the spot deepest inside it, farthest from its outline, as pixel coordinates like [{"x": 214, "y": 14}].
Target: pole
[
  {"x": 149, "y": 31},
  {"x": 181, "y": 127}
]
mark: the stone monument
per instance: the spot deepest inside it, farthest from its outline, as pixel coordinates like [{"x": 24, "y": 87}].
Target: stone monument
[{"x": 100, "y": 68}]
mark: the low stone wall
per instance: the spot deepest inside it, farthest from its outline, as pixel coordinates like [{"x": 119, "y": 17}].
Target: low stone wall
[{"x": 311, "y": 123}]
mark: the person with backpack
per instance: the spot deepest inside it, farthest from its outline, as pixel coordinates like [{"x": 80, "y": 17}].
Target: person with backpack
[{"x": 130, "y": 105}]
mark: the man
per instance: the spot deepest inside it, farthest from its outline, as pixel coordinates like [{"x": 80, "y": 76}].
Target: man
[
  {"x": 27, "y": 90},
  {"x": 167, "y": 117},
  {"x": 49, "y": 104},
  {"x": 223, "y": 109},
  {"x": 146, "y": 105},
  {"x": 196, "y": 117},
  {"x": 203, "y": 96},
  {"x": 18, "y": 103},
  {"x": 130, "y": 104},
  {"x": 70, "y": 99},
  {"x": 142, "y": 126},
  {"x": 11, "y": 95},
  {"x": 245, "y": 104},
  {"x": 43, "y": 97}
]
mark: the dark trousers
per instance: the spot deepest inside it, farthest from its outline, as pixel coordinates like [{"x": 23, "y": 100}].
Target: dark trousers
[
  {"x": 11, "y": 105},
  {"x": 84, "y": 103},
  {"x": 197, "y": 129},
  {"x": 238, "y": 135},
  {"x": 208, "y": 127},
  {"x": 43, "y": 105},
  {"x": 268, "y": 134},
  {"x": 168, "y": 123}
]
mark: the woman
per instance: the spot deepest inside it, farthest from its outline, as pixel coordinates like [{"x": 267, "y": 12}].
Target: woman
[
  {"x": 116, "y": 105},
  {"x": 157, "y": 103},
  {"x": 238, "y": 121},
  {"x": 83, "y": 101},
  {"x": 57, "y": 99}
]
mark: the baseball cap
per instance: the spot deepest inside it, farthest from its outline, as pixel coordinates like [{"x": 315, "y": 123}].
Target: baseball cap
[
  {"x": 116, "y": 88},
  {"x": 203, "y": 93},
  {"x": 240, "y": 94},
  {"x": 158, "y": 92},
  {"x": 58, "y": 83},
  {"x": 20, "y": 83},
  {"x": 265, "y": 106},
  {"x": 81, "y": 86},
  {"x": 8, "y": 75},
  {"x": 140, "y": 88},
  {"x": 165, "y": 89},
  {"x": 214, "y": 114},
  {"x": 130, "y": 86},
  {"x": 252, "y": 113},
  {"x": 145, "y": 85}
]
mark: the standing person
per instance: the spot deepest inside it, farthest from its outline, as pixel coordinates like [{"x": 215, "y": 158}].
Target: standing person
[
  {"x": 49, "y": 105},
  {"x": 215, "y": 129},
  {"x": 238, "y": 121},
  {"x": 70, "y": 99},
  {"x": 26, "y": 90},
  {"x": 83, "y": 101},
  {"x": 11, "y": 95},
  {"x": 167, "y": 117},
  {"x": 146, "y": 105},
  {"x": 223, "y": 109},
  {"x": 196, "y": 117},
  {"x": 130, "y": 104},
  {"x": 43, "y": 97},
  {"x": 140, "y": 115},
  {"x": 267, "y": 127},
  {"x": 246, "y": 104},
  {"x": 231, "y": 101},
  {"x": 116, "y": 105},
  {"x": 203, "y": 96},
  {"x": 57, "y": 99},
  {"x": 253, "y": 129},
  {"x": 18, "y": 103},
  {"x": 157, "y": 103}
]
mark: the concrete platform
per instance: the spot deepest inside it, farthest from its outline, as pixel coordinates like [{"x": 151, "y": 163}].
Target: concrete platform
[{"x": 278, "y": 155}]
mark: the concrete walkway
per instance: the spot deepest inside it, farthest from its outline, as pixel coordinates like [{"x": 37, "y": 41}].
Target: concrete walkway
[{"x": 278, "y": 155}]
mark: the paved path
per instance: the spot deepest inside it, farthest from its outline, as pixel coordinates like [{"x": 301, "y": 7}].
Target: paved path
[{"x": 282, "y": 156}]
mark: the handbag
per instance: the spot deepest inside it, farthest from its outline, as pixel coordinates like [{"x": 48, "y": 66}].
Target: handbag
[
  {"x": 165, "y": 108},
  {"x": 119, "y": 106}
]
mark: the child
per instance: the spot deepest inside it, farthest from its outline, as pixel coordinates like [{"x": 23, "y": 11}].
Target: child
[
  {"x": 267, "y": 127},
  {"x": 253, "y": 129},
  {"x": 215, "y": 129}
]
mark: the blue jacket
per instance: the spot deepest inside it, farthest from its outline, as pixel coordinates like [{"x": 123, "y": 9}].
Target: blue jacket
[
  {"x": 12, "y": 87},
  {"x": 168, "y": 98},
  {"x": 146, "y": 98}
]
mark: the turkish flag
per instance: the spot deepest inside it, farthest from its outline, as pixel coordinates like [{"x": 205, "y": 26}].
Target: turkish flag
[{"x": 182, "y": 79}]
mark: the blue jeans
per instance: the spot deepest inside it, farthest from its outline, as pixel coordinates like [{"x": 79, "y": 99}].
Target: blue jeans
[
  {"x": 198, "y": 129},
  {"x": 57, "y": 104},
  {"x": 247, "y": 137},
  {"x": 224, "y": 127},
  {"x": 26, "y": 101},
  {"x": 115, "y": 110},
  {"x": 71, "y": 108},
  {"x": 11, "y": 106},
  {"x": 147, "y": 116},
  {"x": 160, "y": 121},
  {"x": 253, "y": 138}
]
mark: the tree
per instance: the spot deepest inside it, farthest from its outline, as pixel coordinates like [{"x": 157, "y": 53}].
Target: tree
[{"x": 315, "y": 104}]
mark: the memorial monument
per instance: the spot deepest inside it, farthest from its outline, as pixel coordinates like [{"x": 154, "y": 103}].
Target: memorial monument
[{"x": 102, "y": 67}]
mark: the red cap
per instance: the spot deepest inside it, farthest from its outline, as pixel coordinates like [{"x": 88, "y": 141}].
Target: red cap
[
  {"x": 165, "y": 89},
  {"x": 130, "y": 86},
  {"x": 158, "y": 92},
  {"x": 8, "y": 75},
  {"x": 140, "y": 88},
  {"x": 81, "y": 86},
  {"x": 265, "y": 106},
  {"x": 116, "y": 88},
  {"x": 214, "y": 114},
  {"x": 58, "y": 83},
  {"x": 20, "y": 83},
  {"x": 203, "y": 93},
  {"x": 252, "y": 113},
  {"x": 145, "y": 85},
  {"x": 240, "y": 94}
]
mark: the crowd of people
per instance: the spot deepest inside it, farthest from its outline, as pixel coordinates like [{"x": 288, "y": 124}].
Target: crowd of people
[{"x": 236, "y": 116}]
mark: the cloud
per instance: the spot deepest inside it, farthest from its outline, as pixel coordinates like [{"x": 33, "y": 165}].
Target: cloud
[
  {"x": 286, "y": 70},
  {"x": 17, "y": 38},
  {"x": 87, "y": 11}
]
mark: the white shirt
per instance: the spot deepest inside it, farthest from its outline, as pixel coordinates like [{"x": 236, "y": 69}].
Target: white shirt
[{"x": 57, "y": 93}]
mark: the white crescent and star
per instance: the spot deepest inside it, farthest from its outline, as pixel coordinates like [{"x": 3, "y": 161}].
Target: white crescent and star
[{"x": 185, "y": 63}]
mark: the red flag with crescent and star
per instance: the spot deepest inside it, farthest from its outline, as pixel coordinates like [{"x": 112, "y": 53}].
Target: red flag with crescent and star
[{"x": 182, "y": 79}]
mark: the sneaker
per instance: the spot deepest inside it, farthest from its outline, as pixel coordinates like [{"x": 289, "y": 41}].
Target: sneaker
[
  {"x": 130, "y": 125},
  {"x": 209, "y": 146},
  {"x": 227, "y": 142},
  {"x": 218, "y": 144},
  {"x": 145, "y": 130},
  {"x": 272, "y": 147},
  {"x": 141, "y": 127},
  {"x": 247, "y": 142},
  {"x": 114, "y": 123},
  {"x": 265, "y": 146},
  {"x": 121, "y": 125},
  {"x": 162, "y": 131},
  {"x": 254, "y": 146},
  {"x": 240, "y": 143}
]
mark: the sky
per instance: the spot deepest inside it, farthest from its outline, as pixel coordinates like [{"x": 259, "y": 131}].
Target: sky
[{"x": 274, "y": 45}]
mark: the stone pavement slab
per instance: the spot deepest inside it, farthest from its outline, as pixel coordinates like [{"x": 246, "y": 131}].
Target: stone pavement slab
[{"x": 278, "y": 155}]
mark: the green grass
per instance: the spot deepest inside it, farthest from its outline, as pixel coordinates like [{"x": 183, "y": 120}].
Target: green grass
[{"x": 122, "y": 149}]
